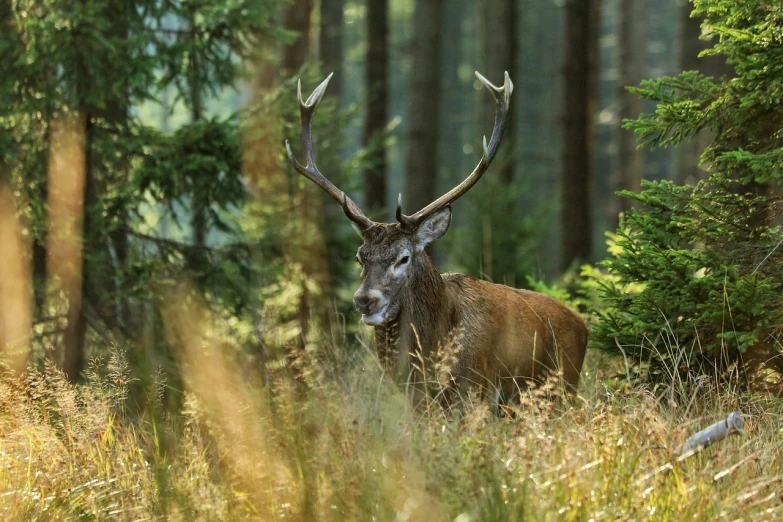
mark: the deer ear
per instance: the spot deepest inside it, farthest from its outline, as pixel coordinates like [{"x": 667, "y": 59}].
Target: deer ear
[{"x": 433, "y": 228}]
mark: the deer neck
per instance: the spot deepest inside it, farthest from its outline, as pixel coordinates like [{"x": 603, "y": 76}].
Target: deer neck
[{"x": 426, "y": 316}]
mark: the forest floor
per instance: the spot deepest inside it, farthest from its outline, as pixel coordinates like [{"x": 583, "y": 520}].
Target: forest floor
[{"x": 345, "y": 445}]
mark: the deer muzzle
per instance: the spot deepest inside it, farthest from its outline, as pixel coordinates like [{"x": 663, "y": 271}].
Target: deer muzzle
[{"x": 372, "y": 304}]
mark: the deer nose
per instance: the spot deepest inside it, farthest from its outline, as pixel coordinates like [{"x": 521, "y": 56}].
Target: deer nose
[{"x": 367, "y": 303}]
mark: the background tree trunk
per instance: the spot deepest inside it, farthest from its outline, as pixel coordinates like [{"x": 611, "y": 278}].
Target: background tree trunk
[
  {"x": 306, "y": 249},
  {"x": 459, "y": 108},
  {"x": 689, "y": 153},
  {"x": 199, "y": 218},
  {"x": 633, "y": 68},
  {"x": 422, "y": 159},
  {"x": 65, "y": 251},
  {"x": 581, "y": 41},
  {"x": 330, "y": 44},
  {"x": 377, "y": 83},
  {"x": 100, "y": 254},
  {"x": 297, "y": 18},
  {"x": 499, "y": 54},
  {"x": 16, "y": 283}
]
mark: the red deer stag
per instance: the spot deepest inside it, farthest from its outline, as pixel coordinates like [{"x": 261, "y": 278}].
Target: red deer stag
[{"x": 504, "y": 337}]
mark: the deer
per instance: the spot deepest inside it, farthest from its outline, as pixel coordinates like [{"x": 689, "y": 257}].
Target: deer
[{"x": 503, "y": 338}]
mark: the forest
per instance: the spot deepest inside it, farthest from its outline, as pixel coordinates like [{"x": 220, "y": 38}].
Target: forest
[{"x": 191, "y": 328}]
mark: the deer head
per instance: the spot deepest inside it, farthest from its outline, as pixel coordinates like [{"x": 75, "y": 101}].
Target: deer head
[{"x": 394, "y": 263}]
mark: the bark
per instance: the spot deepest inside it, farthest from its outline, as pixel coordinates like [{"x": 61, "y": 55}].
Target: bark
[
  {"x": 97, "y": 277},
  {"x": 377, "y": 102},
  {"x": 458, "y": 101},
  {"x": 633, "y": 58},
  {"x": 64, "y": 262},
  {"x": 498, "y": 25},
  {"x": 267, "y": 184},
  {"x": 307, "y": 249},
  {"x": 297, "y": 18},
  {"x": 689, "y": 153},
  {"x": 581, "y": 43},
  {"x": 422, "y": 159},
  {"x": 108, "y": 250},
  {"x": 16, "y": 286},
  {"x": 330, "y": 44},
  {"x": 198, "y": 220}
]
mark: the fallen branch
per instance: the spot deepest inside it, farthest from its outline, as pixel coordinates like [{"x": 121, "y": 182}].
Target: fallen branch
[{"x": 733, "y": 424}]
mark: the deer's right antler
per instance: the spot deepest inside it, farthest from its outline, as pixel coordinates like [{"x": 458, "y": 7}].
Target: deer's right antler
[
  {"x": 502, "y": 99},
  {"x": 310, "y": 171}
]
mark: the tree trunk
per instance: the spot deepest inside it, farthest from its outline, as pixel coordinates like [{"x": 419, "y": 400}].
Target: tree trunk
[
  {"x": 422, "y": 161},
  {"x": 377, "y": 102},
  {"x": 64, "y": 242},
  {"x": 689, "y": 153},
  {"x": 16, "y": 284},
  {"x": 459, "y": 110},
  {"x": 108, "y": 250},
  {"x": 97, "y": 278},
  {"x": 330, "y": 44},
  {"x": 199, "y": 218},
  {"x": 198, "y": 221},
  {"x": 581, "y": 46},
  {"x": 499, "y": 45},
  {"x": 307, "y": 249},
  {"x": 633, "y": 61},
  {"x": 297, "y": 18}
]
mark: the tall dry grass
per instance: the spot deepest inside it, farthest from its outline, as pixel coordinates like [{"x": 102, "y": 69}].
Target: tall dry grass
[{"x": 340, "y": 442}]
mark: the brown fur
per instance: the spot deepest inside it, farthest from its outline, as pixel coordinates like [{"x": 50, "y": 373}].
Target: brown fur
[{"x": 504, "y": 337}]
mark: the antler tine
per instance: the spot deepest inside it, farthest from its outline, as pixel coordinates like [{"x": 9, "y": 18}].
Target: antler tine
[
  {"x": 398, "y": 213},
  {"x": 310, "y": 171},
  {"x": 502, "y": 100}
]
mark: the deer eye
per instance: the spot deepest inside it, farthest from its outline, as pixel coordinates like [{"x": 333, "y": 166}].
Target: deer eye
[{"x": 404, "y": 260}]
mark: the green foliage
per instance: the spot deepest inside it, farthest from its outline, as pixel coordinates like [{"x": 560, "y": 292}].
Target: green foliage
[
  {"x": 497, "y": 241},
  {"x": 677, "y": 277},
  {"x": 698, "y": 268},
  {"x": 581, "y": 290},
  {"x": 202, "y": 45},
  {"x": 289, "y": 221},
  {"x": 102, "y": 60},
  {"x": 199, "y": 165}
]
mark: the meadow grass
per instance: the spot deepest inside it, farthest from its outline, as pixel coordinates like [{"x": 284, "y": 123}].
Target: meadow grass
[{"x": 340, "y": 442}]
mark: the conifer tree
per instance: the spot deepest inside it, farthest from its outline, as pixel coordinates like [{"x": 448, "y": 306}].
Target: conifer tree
[
  {"x": 698, "y": 268},
  {"x": 85, "y": 68}
]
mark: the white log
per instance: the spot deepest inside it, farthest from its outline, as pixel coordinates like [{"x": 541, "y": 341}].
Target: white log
[{"x": 733, "y": 424}]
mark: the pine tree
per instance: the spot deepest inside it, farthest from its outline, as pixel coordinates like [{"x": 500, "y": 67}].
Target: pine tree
[
  {"x": 76, "y": 73},
  {"x": 698, "y": 269}
]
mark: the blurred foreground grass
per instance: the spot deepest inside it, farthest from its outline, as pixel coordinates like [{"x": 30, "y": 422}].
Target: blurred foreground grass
[{"x": 346, "y": 446}]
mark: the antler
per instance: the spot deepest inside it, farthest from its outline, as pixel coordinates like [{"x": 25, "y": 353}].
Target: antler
[
  {"x": 502, "y": 99},
  {"x": 310, "y": 171}
]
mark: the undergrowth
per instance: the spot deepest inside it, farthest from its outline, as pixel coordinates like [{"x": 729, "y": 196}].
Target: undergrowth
[{"x": 340, "y": 442}]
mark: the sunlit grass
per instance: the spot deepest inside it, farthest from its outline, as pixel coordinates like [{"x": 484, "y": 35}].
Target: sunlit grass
[{"x": 341, "y": 443}]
